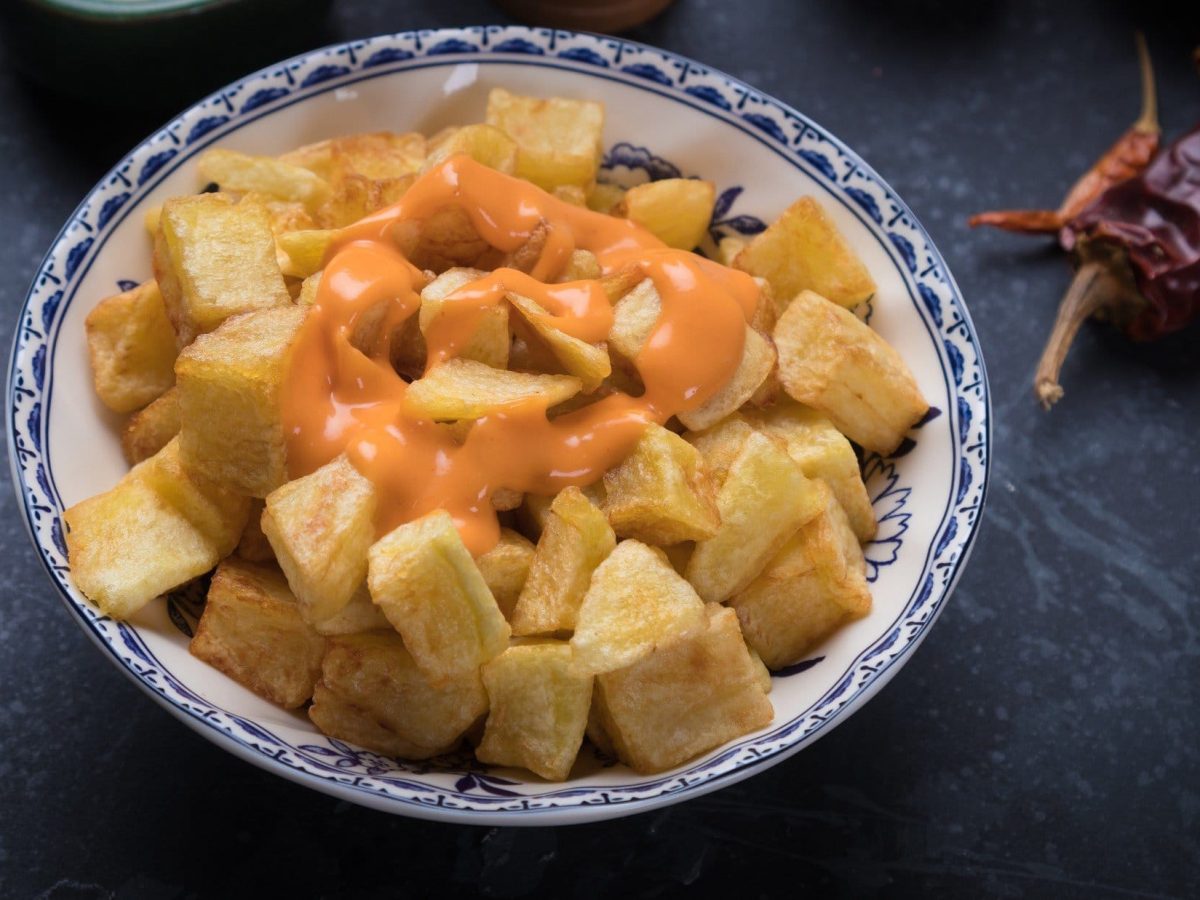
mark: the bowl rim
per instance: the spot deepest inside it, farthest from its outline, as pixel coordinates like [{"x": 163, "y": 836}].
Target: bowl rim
[
  {"x": 129, "y": 10},
  {"x": 324, "y": 70}
]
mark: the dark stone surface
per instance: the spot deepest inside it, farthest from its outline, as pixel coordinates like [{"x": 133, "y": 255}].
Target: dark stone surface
[{"x": 1043, "y": 742}]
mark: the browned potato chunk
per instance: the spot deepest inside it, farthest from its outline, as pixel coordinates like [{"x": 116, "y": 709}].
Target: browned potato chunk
[
  {"x": 304, "y": 251},
  {"x": 660, "y": 494},
  {"x": 575, "y": 539},
  {"x": 635, "y": 316},
  {"x": 372, "y": 693},
  {"x": 483, "y": 143},
  {"x": 675, "y": 210},
  {"x": 802, "y": 250},
  {"x": 380, "y": 155},
  {"x": 218, "y": 512},
  {"x": 588, "y": 362},
  {"x": 443, "y": 240},
  {"x": 229, "y": 399},
  {"x": 465, "y": 389},
  {"x": 757, "y": 363},
  {"x": 721, "y": 444},
  {"x": 558, "y": 140},
  {"x": 489, "y": 342},
  {"x": 582, "y": 266},
  {"x": 252, "y": 631},
  {"x": 686, "y": 697},
  {"x": 505, "y": 568},
  {"x": 809, "y": 590},
  {"x": 132, "y": 348},
  {"x": 242, "y": 173},
  {"x": 423, "y": 578},
  {"x": 832, "y": 361},
  {"x": 253, "y": 545},
  {"x": 635, "y": 602},
  {"x": 132, "y": 543},
  {"x": 539, "y": 710},
  {"x": 359, "y": 615},
  {"x": 605, "y": 198},
  {"x": 821, "y": 451},
  {"x": 149, "y": 430},
  {"x": 763, "y": 500},
  {"x": 214, "y": 259},
  {"x": 357, "y": 196},
  {"x": 320, "y": 527}
]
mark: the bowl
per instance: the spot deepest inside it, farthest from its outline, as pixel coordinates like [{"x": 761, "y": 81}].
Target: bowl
[{"x": 666, "y": 116}]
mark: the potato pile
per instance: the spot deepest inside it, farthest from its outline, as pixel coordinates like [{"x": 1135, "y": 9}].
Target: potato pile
[{"x": 643, "y": 610}]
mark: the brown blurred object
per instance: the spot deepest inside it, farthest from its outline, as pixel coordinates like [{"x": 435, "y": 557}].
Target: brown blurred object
[{"x": 605, "y": 16}]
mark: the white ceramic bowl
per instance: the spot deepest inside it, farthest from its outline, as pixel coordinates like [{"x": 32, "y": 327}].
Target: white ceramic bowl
[{"x": 666, "y": 115}]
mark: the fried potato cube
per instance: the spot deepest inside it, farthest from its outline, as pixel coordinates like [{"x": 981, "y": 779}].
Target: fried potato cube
[
  {"x": 762, "y": 501},
  {"x": 485, "y": 144},
  {"x": 253, "y": 545},
  {"x": 150, "y": 220},
  {"x": 377, "y": 156},
  {"x": 465, "y": 389},
  {"x": 660, "y": 494},
  {"x": 588, "y": 362},
  {"x": 356, "y": 196},
  {"x": 320, "y": 527},
  {"x": 534, "y": 511},
  {"x": 242, "y": 173},
  {"x": 132, "y": 543},
  {"x": 505, "y": 568},
  {"x": 802, "y": 250},
  {"x": 308, "y": 290},
  {"x": 252, "y": 631},
  {"x": 832, "y": 361},
  {"x": 821, "y": 451},
  {"x": 575, "y": 539},
  {"x": 504, "y": 499},
  {"x": 686, "y": 697},
  {"x": 132, "y": 348},
  {"x": 675, "y": 210},
  {"x": 813, "y": 586},
  {"x": 605, "y": 198},
  {"x": 558, "y": 140},
  {"x": 635, "y": 603},
  {"x": 721, "y": 444},
  {"x": 538, "y": 710},
  {"x": 423, "y": 578},
  {"x": 358, "y": 615},
  {"x": 373, "y": 693},
  {"x": 756, "y": 365},
  {"x": 635, "y": 316},
  {"x": 219, "y": 513},
  {"x": 230, "y": 382},
  {"x": 214, "y": 259},
  {"x": 304, "y": 251},
  {"x": 149, "y": 429},
  {"x": 729, "y": 247},
  {"x": 571, "y": 193},
  {"x": 488, "y": 342},
  {"x": 582, "y": 266}
]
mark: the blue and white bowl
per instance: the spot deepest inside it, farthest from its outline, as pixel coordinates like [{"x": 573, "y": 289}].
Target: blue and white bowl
[{"x": 666, "y": 116}]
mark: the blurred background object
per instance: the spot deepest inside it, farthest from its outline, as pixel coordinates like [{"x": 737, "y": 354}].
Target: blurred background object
[{"x": 606, "y": 16}]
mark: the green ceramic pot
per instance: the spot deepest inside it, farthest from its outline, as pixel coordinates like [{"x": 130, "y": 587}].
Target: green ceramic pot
[{"x": 153, "y": 53}]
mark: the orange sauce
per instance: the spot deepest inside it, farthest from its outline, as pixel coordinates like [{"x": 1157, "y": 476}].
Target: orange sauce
[{"x": 341, "y": 393}]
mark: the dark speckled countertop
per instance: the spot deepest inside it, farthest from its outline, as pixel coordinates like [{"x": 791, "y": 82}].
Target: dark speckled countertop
[{"x": 1042, "y": 742}]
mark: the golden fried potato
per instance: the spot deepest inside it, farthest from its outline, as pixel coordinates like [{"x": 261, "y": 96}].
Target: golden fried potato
[
  {"x": 575, "y": 539},
  {"x": 757, "y": 363},
  {"x": 686, "y": 697},
  {"x": 729, "y": 247},
  {"x": 538, "y": 710},
  {"x": 242, "y": 173},
  {"x": 595, "y": 728},
  {"x": 358, "y": 615},
  {"x": 635, "y": 317},
  {"x": 811, "y": 588},
  {"x": 503, "y": 499},
  {"x": 308, "y": 290},
  {"x": 377, "y": 156},
  {"x": 571, "y": 193},
  {"x": 802, "y": 250},
  {"x": 505, "y": 568},
  {"x": 465, "y": 389},
  {"x": 218, "y": 512},
  {"x": 720, "y": 445},
  {"x": 675, "y": 210},
  {"x": 132, "y": 543},
  {"x": 605, "y": 198},
  {"x": 252, "y": 631},
  {"x": 149, "y": 429},
  {"x": 832, "y": 361},
  {"x": 253, "y": 545},
  {"x": 485, "y": 144},
  {"x": 582, "y": 266},
  {"x": 443, "y": 240},
  {"x": 588, "y": 362},
  {"x": 488, "y": 343},
  {"x": 304, "y": 251},
  {"x": 131, "y": 345},
  {"x": 635, "y": 603},
  {"x": 320, "y": 527},
  {"x": 214, "y": 259},
  {"x": 762, "y": 501},
  {"x": 423, "y": 578},
  {"x": 373, "y": 693},
  {"x": 230, "y": 382},
  {"x": 660, "y": 493},
  {"x": 821, "y": 451},
  {"x": 558, "y": 140}
]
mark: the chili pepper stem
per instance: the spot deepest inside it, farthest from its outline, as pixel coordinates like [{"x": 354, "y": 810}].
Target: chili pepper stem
[
  {"x": 1147, "y": 121},
  {"x": 1093, "y": 288}
]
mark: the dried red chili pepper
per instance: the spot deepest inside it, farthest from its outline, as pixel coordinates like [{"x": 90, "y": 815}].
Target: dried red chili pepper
[
  {"x": 1128, "y": 156},
  {"x": 1137, "y": 252}
]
